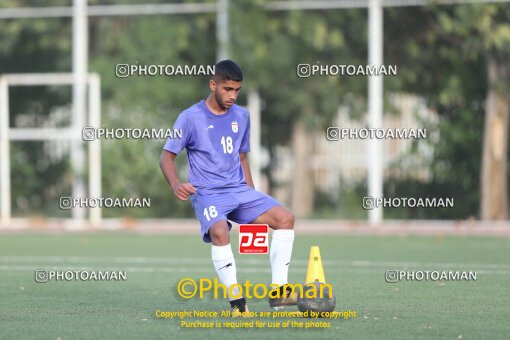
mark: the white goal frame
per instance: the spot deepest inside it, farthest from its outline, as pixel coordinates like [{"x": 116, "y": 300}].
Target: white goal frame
[{"x": 73, "y": 134}]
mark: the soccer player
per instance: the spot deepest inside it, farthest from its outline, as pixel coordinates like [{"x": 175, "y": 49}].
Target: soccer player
[{"x": 216, "y": 136}]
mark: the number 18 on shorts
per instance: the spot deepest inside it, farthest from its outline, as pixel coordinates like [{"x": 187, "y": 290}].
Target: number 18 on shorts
[{"x": 253, "y": 239}]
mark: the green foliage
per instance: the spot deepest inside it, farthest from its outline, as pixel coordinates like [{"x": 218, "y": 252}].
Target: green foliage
[
  {"x": 271, "y": 44},
  {"x": 348, "y": 204},
  {"x": 35, "y": 45},
  {"x": 131, "y": 167},
  {"x": 442, "y": 55},
  {"x": 268, "y": 45}
]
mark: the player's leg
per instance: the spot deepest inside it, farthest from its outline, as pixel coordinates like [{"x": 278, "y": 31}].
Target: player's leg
[
  {"x": 259, "y": 208},
  {"x": 281, "y": 220},
  {"x": 212, "y": 210},
  {"x": 223, "y": 258},
  {"x": 277, "y": 217},
  {"x": 220, "y": 234},
  {"x": 225, "y": 265}
]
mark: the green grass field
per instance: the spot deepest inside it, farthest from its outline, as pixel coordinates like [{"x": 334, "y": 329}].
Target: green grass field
[{"x": 355, "y": 266}]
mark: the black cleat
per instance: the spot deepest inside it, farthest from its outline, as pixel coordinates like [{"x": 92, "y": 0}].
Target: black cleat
[
  {"x": 283, "y": 296},
  {"x": 239, "y": 308}
]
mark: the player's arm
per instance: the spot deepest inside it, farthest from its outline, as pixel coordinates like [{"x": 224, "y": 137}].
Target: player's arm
[
  {"x": 167, "y": 165},
  {"x": 246, "y": 169}
]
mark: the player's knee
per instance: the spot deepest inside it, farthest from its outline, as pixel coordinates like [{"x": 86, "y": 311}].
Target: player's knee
[
  {"x": 219, "y": 235},
  {"x": 220, "y": 239},
  {"x": 287, "y": 220}
]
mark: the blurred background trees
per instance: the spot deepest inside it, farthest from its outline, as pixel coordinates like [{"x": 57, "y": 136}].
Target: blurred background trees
[{"x": 453, "y": 58}]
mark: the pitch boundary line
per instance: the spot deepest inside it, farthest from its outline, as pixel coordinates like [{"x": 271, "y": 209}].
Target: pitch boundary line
[
  {"x": 240, "y": 261},
  {"x": 204, "y": 269}
]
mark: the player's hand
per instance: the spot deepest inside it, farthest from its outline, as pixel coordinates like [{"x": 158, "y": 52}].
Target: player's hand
[{"x": 183, "y": 190}]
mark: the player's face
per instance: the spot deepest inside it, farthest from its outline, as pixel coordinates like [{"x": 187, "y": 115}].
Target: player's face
[{"x": 225, "y": 92}]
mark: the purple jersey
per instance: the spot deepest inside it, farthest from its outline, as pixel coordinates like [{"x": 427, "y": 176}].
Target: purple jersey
[{"x": 213, "y": 143}]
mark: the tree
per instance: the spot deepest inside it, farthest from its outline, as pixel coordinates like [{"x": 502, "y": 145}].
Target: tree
[
  {"x": 270, "y": 46},
  {"x": 457, "y": 58},
  {"x": 131, "y": 167},
  {"x": 483, "y": 29},
  {"x": 33, "y": 46}
]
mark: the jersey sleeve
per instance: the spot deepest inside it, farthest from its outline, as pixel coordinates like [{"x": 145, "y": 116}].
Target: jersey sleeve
[
  {"x": 175, "y": 143},
  {"x": 245, "y": 143}
]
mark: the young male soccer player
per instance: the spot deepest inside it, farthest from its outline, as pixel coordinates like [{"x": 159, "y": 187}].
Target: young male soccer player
[{"x": 216, "y": 135}]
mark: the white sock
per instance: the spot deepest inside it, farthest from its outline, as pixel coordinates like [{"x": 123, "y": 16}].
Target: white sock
[
  {"x": 280, "y": 254},
  {"x": 225, "y": 265}
]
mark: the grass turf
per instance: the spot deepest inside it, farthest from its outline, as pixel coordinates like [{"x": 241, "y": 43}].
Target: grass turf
[{"x": 355, "y": 266}]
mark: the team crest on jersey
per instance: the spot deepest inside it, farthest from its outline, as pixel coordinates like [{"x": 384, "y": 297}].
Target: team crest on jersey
[{"x": 235, "y": 127}]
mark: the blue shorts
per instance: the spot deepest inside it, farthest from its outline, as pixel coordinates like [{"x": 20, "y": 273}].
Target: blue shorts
[{"x": 241, "y": 207}]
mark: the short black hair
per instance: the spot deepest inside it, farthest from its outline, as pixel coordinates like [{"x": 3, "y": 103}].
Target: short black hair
[{"x": 228, "y": 70}]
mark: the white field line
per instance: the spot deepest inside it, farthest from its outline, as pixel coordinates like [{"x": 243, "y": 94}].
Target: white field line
[
  {"x": 127, "y": 269},
  {"x": 210, "y": 270},
  {"x": 262, "y": 261}
]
